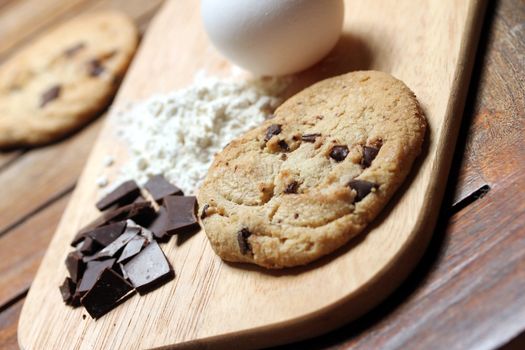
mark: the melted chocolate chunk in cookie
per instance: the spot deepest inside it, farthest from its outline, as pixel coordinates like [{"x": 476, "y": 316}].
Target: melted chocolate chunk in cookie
[
  {"x": 369, "y": 154},
  {"x": 362, "y": 188},
  {"x": 339, "y": 153},
  {"x": 283, "y": 145},
  {"x": 242, "y": 239},
  {"x": 310, "y": 137},
  {"x": 274, "y": 129},
  {"x": 292, "y": 187},
  {"x": 49, "y": 95}
]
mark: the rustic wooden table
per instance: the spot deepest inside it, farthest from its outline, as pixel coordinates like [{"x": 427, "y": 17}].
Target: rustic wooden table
[{"x": 469, "y": 290}]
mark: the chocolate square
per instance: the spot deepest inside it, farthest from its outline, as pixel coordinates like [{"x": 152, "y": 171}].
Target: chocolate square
[
  {"x": 124, "y": 194},
  {"x": 159, "y": 188},
  {"x": 181, "y": 214}
]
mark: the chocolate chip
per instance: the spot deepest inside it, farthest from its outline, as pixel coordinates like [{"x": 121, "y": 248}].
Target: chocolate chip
[
  {"x": 67, "y": 290},
  {"x": 95, "y": 67},
  {"x": 283, "y": 145},
  {"x": 369, "y": 154},
  {"x": 49, "y": 95},
  {"x": 274, "y": 129},
  {"x": 362, "y": 188},
  {"x": 149, "y": 269},
  {"x": 75, "y": 265},
  {"x": 339, "y": 153},
  {"x": 292, "y": 187},
  {"x": 124, "y": 194},
  {"x": 204, "y": 208},
  {"x": 310, "y": 137},
  {"x": 93, "y": 271},
  {"x": 106, "y": 293},
  {"x": 242, "y": 239},
  {"x": 296, "y": 215},
  {"x": 181, "y": 214},
  {"x": 70, "y": 52},
  {"x": 159, "y": 188}
]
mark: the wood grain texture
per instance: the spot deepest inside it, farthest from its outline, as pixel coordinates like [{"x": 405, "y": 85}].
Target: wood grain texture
[
  {"x": 214, "y": 295},
  {"x": 8, "y": 324}
]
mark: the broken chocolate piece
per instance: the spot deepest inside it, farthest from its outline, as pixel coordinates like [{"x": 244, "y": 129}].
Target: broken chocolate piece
[
  {"x": 159, "y": 223},
  {"x": 283, "y": 145},
  {"x": 49, "y": 95},
  {"x": 70, "y": 52},
  {"x": 204, "y": 208},
  {"x": 149, "y": 269},
  {"x": 369, "y": 154},
  {"x": 67, "y": 289},
  {"x": 292, "y": 187},
  {"x": 339, "y": 153},
  {"x": 93, "y": 271},
  {"x": 274, "y": 129},
  {"x": 114, "y": 247},
  {"x": 159, "y": 188},
  {"x": 132, "y": 248},
  {"x": 75, "y": 265},
  {"x": 106, "y": 234},
  {"x": 180, "y": 214},
  {"x": 309, "y": 137},
  {"x": 242, "y": 239},
  {"x": 362, "y": 188},
  {"x": 109, "y": 289},
  {"x": 95, "y": 67},
  {"x": 90, "y": 246},
  {"x": 124, "y": 194}
]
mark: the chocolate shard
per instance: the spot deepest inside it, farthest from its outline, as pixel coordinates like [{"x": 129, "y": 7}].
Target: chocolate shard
[
  {"x": 75, "y": 265},
  {"x": 49, "y": 95},
  {"x": 114, "y": 247},
  {"x": 274, "y": 129},
  {"x": 362, "y": 188},
  {"x": 67, "y": 290},
  {"x": 90, "y": 246},
  {"x": 107, "y": 292},
  {"x": 283, "y": 145},
  {"x": 149, "y": 269},
  {"x": 159, "y": 224},
  {"x": 309, "y": 137},
  {"x": 339, "y": 153},
  {"x": 180, "y": 214},
  {"x": 369, "y": 154},
  {"x": 132, "y": 248},
  {"x": 242, "y": 239},
  {"x": 292, "y": 187},
  {"x": 140, "y": 212},
  {"x": 106, "y": 234},
  {"x": 93, "y": 271},
  {"x": 159, "y": 188},
  {"x": 95, "y": 67},
  {"x": 124, "y": 194}
]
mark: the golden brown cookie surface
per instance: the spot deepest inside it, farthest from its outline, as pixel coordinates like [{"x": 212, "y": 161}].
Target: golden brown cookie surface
[
  {"x": 302, "y": 184},
  {"x": 59, "y": 82}
]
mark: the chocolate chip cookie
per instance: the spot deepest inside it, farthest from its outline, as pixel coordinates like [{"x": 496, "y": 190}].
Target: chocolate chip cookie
[
  {"x": 59, "y": 82},
  {"x": 305, "y": 182}
]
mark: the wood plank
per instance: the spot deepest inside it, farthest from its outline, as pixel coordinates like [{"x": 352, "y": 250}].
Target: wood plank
[
  {"x": 22, "y": 249},
  {"x": 205, "y": 287},
  {"x": 7, "y": 157},
  {"x": 8, "y": 326}
]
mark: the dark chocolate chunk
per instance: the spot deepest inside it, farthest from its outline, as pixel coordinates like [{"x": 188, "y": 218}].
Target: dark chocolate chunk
[
  {"x": 95, "y": 67},
  {"x": 274, "y": 129},
  {"x": 159, "y": 188},
  {"x": 140, "y": 212},
  {"x": 75, "y": 265},
  {"x": 114, "y": 247},
  {"x": 49, "y": 95},
  {"x": 132, "y": 248},
  {"x": 106, "y": 293},
  {"x": 369, "y": 154},
  {"x": 90, "y": 246},
  {"x": 292, "y": 187},
  {"x": 93, "y": 271},
  {"x": 362, "y": 188},
  {"x": 339, "y": 153},
  {"x": 122, "y": 195},
  {"x": 180, "y": 214},
  {"x": 71, "y": 51},
  {"x": 67, "y": 289},
  {"x": 309, "y": 137},
  {"x": 159, "y": 223},
  {"x": 204, "y": 208},
  {"x": 106, "y": 234},
  {"x": 149, "y": 269},
  {"x": 242, "y": 239},
  {"x": 283, "y": 145}
]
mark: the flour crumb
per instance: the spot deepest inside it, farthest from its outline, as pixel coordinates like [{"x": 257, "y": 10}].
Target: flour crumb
[
  {"x": 108, "y": 161},
  {"x": 178, "y": 134},
  {"x": 102, "y": 181}
]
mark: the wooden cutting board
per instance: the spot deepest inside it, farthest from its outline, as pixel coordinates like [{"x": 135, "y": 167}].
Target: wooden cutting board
[{"x": 429, "y": 44}]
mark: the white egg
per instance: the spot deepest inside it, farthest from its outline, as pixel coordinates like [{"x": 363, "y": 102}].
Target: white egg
[{"x": 273, "y": 37}]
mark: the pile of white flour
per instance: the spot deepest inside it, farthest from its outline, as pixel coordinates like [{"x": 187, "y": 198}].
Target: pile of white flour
[{"x": 179, "y": 133}]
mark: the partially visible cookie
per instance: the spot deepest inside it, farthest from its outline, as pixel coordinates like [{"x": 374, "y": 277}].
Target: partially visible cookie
[
  {"x": 59, "y": 82},
  {"x": 305, "y": 182}
]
